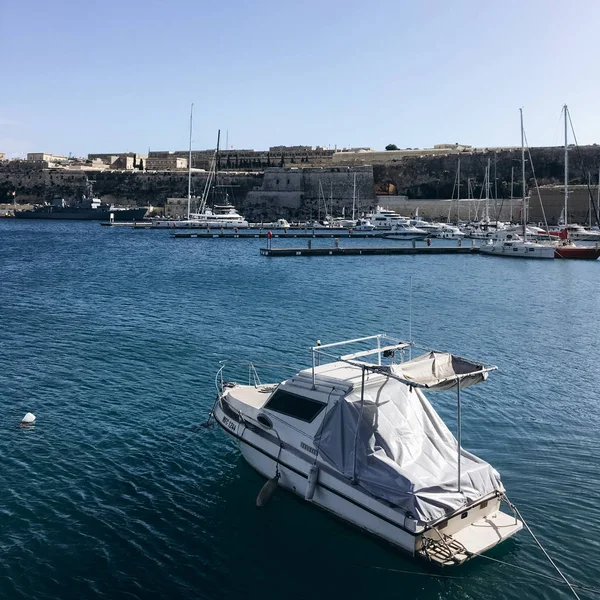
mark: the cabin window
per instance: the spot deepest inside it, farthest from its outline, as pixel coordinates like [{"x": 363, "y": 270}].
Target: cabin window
[
  {"x": 515, "y": 249},
  {"x": 531, "y": 249},
  {"x": 295, "y": 406}
]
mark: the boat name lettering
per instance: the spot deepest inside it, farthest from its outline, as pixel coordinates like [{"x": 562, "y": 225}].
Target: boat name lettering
[
  {"x": 308, "y": 448},
  {"x": 229, "y": 423}
]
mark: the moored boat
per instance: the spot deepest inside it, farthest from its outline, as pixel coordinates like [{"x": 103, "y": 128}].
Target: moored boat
[{"x": 360, "y": 440}]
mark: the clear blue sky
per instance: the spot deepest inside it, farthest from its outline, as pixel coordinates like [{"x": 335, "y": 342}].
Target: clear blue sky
[{"x": 117, "y": 76}]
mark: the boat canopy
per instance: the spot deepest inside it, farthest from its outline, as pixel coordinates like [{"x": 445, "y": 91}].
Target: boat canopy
[
  {"x": 386, "y": 438},
  {"x": 440, "y": 371}
]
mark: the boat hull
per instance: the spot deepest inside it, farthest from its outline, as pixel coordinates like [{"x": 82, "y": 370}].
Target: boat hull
[
  {"x": 577, "y": 252},
  {"x": 521, "y": 251},
  {"x": 352, "y": 505},
  {"x": 84, "y": 214}
]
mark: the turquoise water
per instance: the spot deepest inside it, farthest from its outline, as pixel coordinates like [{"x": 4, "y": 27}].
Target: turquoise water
[{"x": 112, "y": 337}]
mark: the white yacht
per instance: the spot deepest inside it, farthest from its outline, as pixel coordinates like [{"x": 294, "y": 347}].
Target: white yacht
[
  {"x": 405, "y": 231},
  {"x": 223, "y": 216},
  {"x": 360, "y": 440},
  {"x": 386, "y": 219},
  {"x": 431, "y": 228}
]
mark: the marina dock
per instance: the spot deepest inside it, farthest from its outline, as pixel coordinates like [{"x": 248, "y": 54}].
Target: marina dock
[
  {"x": 291, "y": 233},
  {"x": 370, "y": 251}
]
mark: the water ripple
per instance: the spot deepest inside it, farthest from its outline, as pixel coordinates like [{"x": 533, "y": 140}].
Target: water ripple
[{"x": 112, "y": 338}]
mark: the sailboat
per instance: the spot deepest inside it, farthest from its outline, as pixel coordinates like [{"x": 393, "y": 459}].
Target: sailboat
[
  {"x": 570, "y": 232},
  {"x": 510, "y": 243},
  {"x": 223, "y": 216}
]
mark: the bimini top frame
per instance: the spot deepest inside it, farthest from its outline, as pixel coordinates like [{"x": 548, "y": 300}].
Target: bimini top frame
[{"x": 380, "y": 351}]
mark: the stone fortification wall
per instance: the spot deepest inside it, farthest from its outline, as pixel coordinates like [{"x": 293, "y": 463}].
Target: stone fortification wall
[
  {"x": 303, "y": 193},
  {"x": 432, "y": 177},
  {"x": 34, "y": 183}
]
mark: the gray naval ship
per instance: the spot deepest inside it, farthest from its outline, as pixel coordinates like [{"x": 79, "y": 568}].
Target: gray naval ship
[{"x": 86, "y": 209}]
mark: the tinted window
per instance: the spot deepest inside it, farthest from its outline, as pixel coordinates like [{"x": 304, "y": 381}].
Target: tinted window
[{"x": 298, "y": 407}]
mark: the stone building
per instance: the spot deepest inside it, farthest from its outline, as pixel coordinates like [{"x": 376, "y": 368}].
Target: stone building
[
  {"x": 169, "y": 162},
  {"x": 254, "y": 160},
  {"x": 122, "y": 160},
  {"x": 45, "y": 157}
]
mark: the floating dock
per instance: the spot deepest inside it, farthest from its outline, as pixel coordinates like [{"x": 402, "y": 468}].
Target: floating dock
[
  {"x": 141, "y": 224},
  {"x": 369, "y": 251},
  {"x": 291, "y": 233}
]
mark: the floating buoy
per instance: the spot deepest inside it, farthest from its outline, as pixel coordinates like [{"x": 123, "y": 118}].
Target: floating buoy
[
  {"x": 28, "y": 419},
  {"x": 267, "y": 491},
  {"x": 313, "y": 475}
]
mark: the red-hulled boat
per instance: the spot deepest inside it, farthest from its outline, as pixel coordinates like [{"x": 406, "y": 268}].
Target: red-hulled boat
[
  {"x": 580, "y": 252},
  {"x": 570, "y": 250}
]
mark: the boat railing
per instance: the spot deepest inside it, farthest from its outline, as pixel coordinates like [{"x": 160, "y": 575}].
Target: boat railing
[{"x": 250, "y": 370}]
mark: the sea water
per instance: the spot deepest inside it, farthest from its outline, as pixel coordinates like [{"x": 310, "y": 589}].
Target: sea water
[{"x": 112, "y": 338}]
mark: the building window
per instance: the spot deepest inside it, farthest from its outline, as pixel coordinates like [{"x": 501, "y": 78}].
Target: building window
[{"x": 295, "y": 406}]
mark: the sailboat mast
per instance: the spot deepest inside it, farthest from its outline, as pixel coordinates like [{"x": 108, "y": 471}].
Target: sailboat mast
[
  {"x": 598, "y": 197},
  {"x": 566, "y": 165},
  {"x": 458, "y": 194},
  {"x": 190, "y": 164},
  {"x": 487, "y": 192},
  {"x": 512, "y": 183},
  {"x": 354, "y": 197},
  {"x": 523, "y": 177}
]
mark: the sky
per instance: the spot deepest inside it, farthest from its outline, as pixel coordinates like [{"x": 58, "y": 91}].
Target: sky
[{"x": 119, "y": 76}]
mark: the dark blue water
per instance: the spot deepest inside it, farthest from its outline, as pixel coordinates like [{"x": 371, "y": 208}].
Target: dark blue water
[{"x": 112, "y": 338}]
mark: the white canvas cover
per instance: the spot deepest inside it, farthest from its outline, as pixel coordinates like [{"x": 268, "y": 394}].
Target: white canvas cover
[
  {"x": 438, "y": 371},
  {"x": 405, "y": 454}
]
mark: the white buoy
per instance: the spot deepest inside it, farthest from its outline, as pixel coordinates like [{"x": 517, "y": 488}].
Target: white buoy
[{"x": 28, "y": 419}]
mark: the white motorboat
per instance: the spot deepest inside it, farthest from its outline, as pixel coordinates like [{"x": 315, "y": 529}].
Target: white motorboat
[
  {"x": 449, "y": 232},
  {"x": 360, "y": 440},
  {"x": 364, "y": 225},
  {"x": 577, "y": 233},
  {"x": 405, "y": 231}
]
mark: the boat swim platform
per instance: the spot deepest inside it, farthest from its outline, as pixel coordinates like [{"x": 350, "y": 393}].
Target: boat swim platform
[{"x": 369, "y": 251}]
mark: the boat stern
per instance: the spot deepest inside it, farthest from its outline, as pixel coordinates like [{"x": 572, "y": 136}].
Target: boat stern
[{"x": 468, "y": 533}]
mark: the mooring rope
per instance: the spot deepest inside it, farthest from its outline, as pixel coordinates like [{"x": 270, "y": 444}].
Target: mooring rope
[
  {"x": 505, "y": 498},
  {"x": 465, "y": 578}
]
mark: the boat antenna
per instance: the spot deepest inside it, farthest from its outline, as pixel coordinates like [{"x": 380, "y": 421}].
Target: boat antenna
[
  {"x": 190, "y": 164},
  {"x": 523, "y": 177}
]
